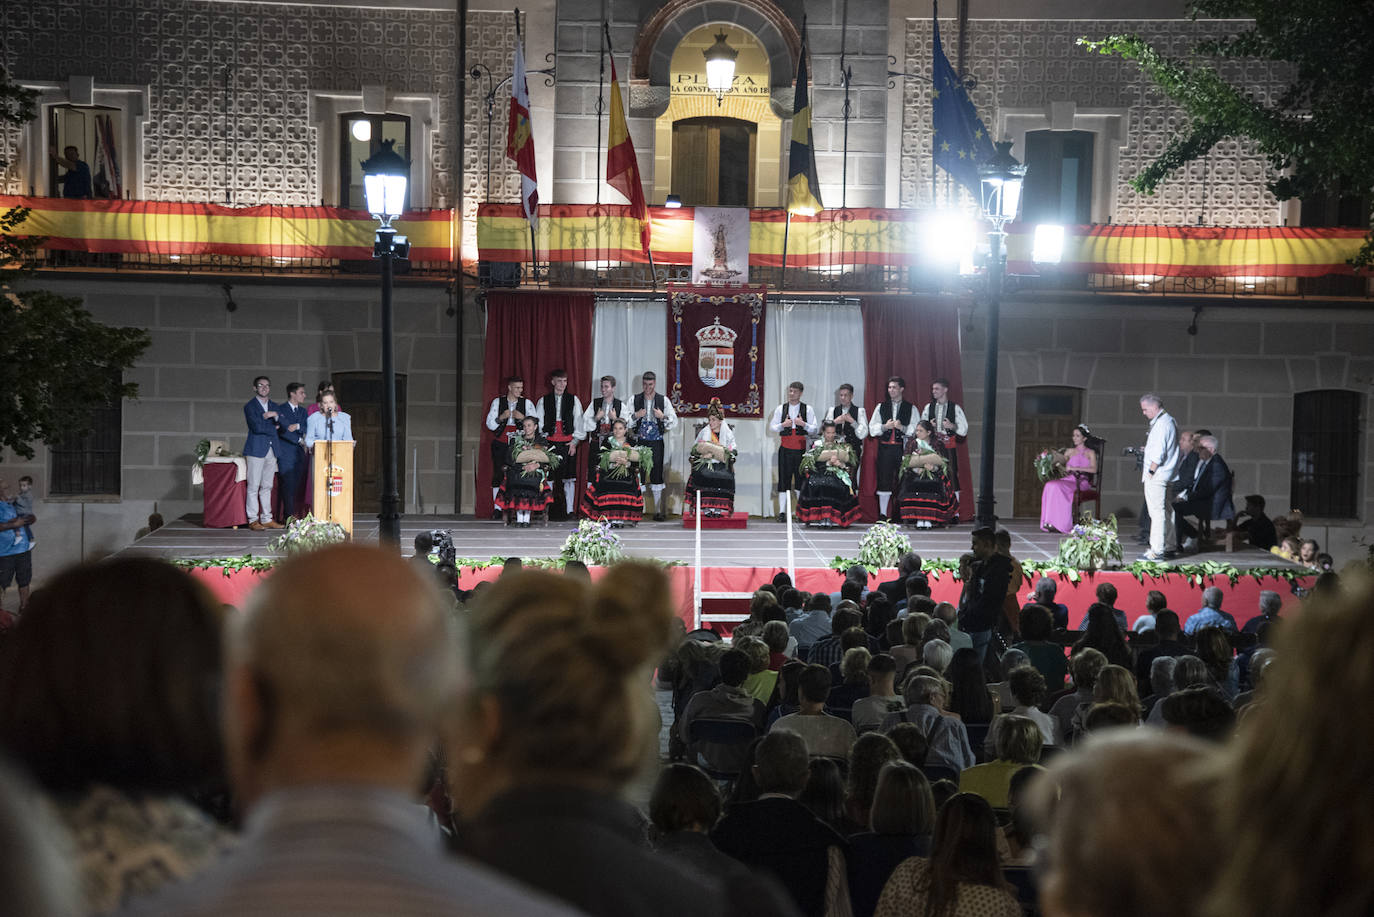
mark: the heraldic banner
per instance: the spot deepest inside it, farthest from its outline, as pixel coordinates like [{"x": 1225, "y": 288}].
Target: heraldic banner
[{"x": 715, "y": 349}]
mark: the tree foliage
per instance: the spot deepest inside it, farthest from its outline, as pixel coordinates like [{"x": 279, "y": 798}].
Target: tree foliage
[
  {"x": 62, "y": 364},
  {"x": 1316, "y": 133},
  {"x": 17, "y": 107}
]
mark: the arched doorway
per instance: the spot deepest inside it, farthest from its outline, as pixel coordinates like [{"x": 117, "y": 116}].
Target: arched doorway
[{"x": 713, "y": 161}]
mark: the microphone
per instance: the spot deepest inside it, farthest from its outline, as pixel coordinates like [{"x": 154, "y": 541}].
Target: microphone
[{"x": 329, "y": 424}]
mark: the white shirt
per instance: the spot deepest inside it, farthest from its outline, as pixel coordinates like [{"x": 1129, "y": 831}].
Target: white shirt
[
  {"x": 579, "y": 430},
  {"x": 811, "y": 423},
  {"x": 669, "y": 415},
  {"x": 1161, "y": 448},
  {"x": 860, "y": 419},
  {"x": 727, "y": 436},
  {"x": 875, "y": 423},
  {"x": 511, "y": 423},
  {"x": 935, "y": 412},
  {"x": 589, "y": 422}
]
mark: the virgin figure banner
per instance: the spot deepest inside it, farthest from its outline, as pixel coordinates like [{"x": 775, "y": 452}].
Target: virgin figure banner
[{"x": 715, "y": 349}]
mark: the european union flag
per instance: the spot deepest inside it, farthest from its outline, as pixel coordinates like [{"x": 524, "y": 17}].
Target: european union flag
[{"x": 961, "y": 141}]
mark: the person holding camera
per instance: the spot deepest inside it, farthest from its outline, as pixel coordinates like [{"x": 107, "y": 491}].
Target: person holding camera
[{"x": 1157, "y": 477}]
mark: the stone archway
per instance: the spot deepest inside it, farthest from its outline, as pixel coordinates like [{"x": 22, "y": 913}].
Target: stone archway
[{"x": 764, "y": 19}]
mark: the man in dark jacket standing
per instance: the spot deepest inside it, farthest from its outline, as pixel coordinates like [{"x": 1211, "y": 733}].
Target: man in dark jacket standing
[{"x": 985, "y": 591}]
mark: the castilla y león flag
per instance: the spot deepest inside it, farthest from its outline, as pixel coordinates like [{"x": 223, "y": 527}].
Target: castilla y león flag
[
  {"x": 519, "y": 133},
  {"x": 622, "y": 167}
]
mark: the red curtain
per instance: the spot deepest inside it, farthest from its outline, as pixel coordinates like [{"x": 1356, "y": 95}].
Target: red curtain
[
  {"x": 917, "y": 338},
  {"x": 530, "y": 334}
]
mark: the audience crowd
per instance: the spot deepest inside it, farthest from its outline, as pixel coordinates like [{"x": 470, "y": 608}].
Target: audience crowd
[{"x": 360, "y": 739}]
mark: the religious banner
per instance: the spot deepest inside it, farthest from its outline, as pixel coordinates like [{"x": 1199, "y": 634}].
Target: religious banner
[
  {"x": 720, "y": 245},
  {"x": 715, "y": 350}
]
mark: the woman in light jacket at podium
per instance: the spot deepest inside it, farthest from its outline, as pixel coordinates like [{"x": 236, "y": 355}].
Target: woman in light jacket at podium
[{"x": 317, "y": 425}]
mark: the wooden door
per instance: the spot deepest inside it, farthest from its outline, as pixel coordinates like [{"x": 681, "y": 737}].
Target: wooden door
[
  {"x": 713, "y": 162},
  {"x": 360, "y": 396},
  {"x": 1045, "y": 418}
]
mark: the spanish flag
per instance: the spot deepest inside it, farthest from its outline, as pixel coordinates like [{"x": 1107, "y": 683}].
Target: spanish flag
[
  {"x": 803, "y": 190},
  {"x": 622, "y": 167},
  {"x": 519, "y": 133}
]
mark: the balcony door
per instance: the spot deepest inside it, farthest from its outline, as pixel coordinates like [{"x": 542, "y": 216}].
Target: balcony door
[{"x": 713, "y": 161}]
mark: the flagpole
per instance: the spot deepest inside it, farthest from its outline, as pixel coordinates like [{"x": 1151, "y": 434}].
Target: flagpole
[
  {"x": 534, "y": 248},
  {"x": 786, "y": 231}
]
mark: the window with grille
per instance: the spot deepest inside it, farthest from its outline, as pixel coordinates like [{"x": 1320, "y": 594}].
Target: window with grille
[
  {"x": 89, "y": 465},
  {"x": 1326, "y": 453}
]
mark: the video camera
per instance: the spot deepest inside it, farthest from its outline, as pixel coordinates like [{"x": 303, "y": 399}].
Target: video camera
[
  {"x": 1139, "y": 453},
  {"x": 443, "y": 546}
]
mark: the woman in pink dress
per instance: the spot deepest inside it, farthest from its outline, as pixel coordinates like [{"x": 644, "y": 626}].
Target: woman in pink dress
[{"x": 1056, "y": 500}]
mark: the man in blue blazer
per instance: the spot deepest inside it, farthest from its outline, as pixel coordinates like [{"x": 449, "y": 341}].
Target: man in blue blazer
[
  {"x": 1206, "y": 496},
  {"x": 261, "y": 450},
  {"x": 291, "y": 459}
]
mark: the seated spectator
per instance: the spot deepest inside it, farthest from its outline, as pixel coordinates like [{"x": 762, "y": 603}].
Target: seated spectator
[
  {"x": 1016, "y": 836},
  {"x": 1028, "y": 691},
  {"x": 776, "y": 835},
  {"x": 877, "y": 614},
  {"x": 908, "y": 651},
  {"x": 907, "y": 564},
  {"x": 1102, "y": 632},
  {"x": 1107, "y": 595},
  {"x": 1145, "y": 852},
  {"x": 853, "y": 683},
  {"x": 813, "y": 623},
  {"x": 1212, "y": 646},
  {"x": 937, "y": 654},
  {"x": 1270, "y": 603},
  {"x": 1257, "y": 527},
  {"x": 867, "y": 756},
  {"x": 1289, "y": 548},
  {"x": 1018, "y": 744},
  {"x": 1161, "y": 682},
  {"x": 958, "y": 640},
  {"x": 1302, "y": 801},
  {"x": 1085, "y": 665},
  {"x": 830, "y": 650},
  {"x": 696, "y": 668},
  {"x": 1001, "y": 690},
  {"x": 963, "y": 874},
  {"x": 1107, "y": 715},
  {"x": 1308, "y": 552},
  {"x": 550, "y": 728},
  {"x": 1201, "y": 712},
  {"x": 762, "y": 681},
  {"x": 911, "y": 742},
  {"x": 1210, "y": 614},
  {"x": 917, "y": 585},
  {"x": 902, "y": 819},
  {"x": 946, "y": 738},
  {"x": 969, "y": 697},
  {"x": 791, "y": 601},
  {"x": 1047, "y": 657},
  {"x": 781, "y": 646},
  {"x": 726, "y": 701},
  {"x": 1155, "y": 602},
  {"x": 1045, "y": 591},
  {"x": 1114, "y": 685},
  {"x": 825, "y": 735},
  {"x": 111, "y": 682},
  {"x": 683, "y": 808},
  {"x": 1261, "y": 660},
  {"x": 1189, "y": 672},
  {"x": 788, "y": 696},
  {"x": 882, "y": 699},
  {"x": 823, "y": 796},
  {"x": 1170, "y": 644}
]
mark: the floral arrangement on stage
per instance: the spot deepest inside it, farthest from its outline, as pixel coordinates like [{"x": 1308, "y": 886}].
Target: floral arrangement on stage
[
  {"x": 1049, "y": 465},
  {"x": 883, "y": 545},
  {"x": 594, "y": 543},
  {"x": 309, "y": 534},
  {"x": 1091, "y": 545}
]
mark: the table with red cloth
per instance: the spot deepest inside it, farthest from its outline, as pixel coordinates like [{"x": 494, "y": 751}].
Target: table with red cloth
[{"x": 226, "y": 500}]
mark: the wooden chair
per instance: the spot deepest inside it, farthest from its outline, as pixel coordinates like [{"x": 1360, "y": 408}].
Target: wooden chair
[{"x": 1094, "y": 493}]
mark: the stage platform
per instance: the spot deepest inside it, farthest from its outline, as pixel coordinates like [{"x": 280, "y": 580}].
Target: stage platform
[{"x": 762, "y": 544}]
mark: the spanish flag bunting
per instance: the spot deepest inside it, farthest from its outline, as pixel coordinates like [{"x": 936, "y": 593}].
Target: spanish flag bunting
[{"x": 622, "y": 167}]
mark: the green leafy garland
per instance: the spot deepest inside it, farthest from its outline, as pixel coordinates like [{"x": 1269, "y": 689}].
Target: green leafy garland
[{"x": 1197, "y": 574}]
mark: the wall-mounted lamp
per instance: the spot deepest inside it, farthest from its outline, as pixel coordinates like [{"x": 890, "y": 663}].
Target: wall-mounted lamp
[
  {"x": 229, "y": 304},
  {"x": 720, "y": 67}
]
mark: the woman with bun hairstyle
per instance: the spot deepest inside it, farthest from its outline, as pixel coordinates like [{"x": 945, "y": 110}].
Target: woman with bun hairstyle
[{"x": 558, "y": 718}]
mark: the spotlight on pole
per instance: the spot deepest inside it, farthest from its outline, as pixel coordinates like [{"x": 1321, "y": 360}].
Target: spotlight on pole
[
  {"x": 674, "y": 202},
  {"x": 1048, "y": 245},
  {"x": 948, "y": 239}
]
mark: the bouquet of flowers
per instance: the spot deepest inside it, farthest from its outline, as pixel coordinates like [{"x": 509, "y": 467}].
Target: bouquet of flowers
[
  {"x": 309, "y": 534},
  {"x": 613, "y": 469},
  {"x": 706, "y": 454},
  {"x": 924, "y": 464},
  {"x": 593, "y": 543},
  {"x": 1091, "y": 544},
  {"x": 1049, "y": 465},
  {"x": 883, "y": 545}
]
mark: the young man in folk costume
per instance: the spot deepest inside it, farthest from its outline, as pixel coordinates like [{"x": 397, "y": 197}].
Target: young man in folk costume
[
  {"x": 651, "y": 418},
  {"x": 504, "y": 418},
  {"x": 560, "y": 420},
  {"x": 851, "y": 424},
  {"x": 951, "y": 428},
  {"x": 891, "y": 423},
  {"x": 793, "y": 421},
  {"x": 598, "y": 418}
]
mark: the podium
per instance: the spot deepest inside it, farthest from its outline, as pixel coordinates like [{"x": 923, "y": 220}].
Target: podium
[{"x": 333, "y": 476}]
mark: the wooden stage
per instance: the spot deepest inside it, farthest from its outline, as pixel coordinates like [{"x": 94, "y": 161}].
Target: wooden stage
[{"x": 762, "y": 544}]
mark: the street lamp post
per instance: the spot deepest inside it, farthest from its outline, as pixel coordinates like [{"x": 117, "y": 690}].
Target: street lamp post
[
  {"x": 385, "y": 175},
  {"x": 1000, "y": 178}
]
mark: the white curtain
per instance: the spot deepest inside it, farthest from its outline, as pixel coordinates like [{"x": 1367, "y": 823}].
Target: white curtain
[{"x": 628, "y": 337}]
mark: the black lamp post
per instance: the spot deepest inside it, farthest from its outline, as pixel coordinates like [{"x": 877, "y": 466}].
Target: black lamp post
[
  {"x": 1001, "y": 179},
  {"x": 385, "y": 175}
]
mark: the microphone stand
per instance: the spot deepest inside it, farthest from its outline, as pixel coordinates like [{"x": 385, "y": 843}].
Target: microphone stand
[{"x": 329, "y": 466}]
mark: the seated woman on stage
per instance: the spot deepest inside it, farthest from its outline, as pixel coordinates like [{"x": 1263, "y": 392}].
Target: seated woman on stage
[
  {"x": 615, "y": 491},
  {"x": 1056, "y": 500},
  {"x": 529, "y": 468},
  {"x": 827, "y": 496},
  {"x": 713, "y": 466},
  {"x": 924, "y": 497}
]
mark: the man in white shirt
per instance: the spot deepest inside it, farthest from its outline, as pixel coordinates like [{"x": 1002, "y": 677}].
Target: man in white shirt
[
  {"x": 597, "y": 419},
  {"x": 560, "y": 420},
  {"x": 891, "y": 423},
  {"x": 1161, "y": 464},
  {"x": 826, "y": 736},
  {"x": 951, "y": 427},
  {"x": 869, "y": 712},
  {"x": 651, "y": 418},
  {"x": 503, "y": 419},
  {"x": 793, "y": 421},
  {"x": 851, "y": 423}
]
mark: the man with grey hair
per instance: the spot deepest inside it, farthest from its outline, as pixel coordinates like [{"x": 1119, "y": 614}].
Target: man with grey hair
[
  {"x": 1045, "y": 591},
  {"x": 1206, "y": 495},
  {"x": 1210, "y": 614},
  {"x": 336, "y": 679},
  {"x": 1270, "y": 603},
  {"x": 1157, "y": 476},
  {"x": 1161, "y": 682},
  {"x": 946, "y": 738}
]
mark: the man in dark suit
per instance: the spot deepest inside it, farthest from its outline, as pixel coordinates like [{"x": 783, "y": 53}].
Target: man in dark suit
[
  {"x": 895, "y": 589},
  {"x": 775, "y": 833},
  {"x": 986, "y": 590},
  {"x": 261, "y": 449},
  {"x": 1207, "y": 495},
  {"x": 291, "y": 460},
  {"x": 1170, "y": 634}
]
